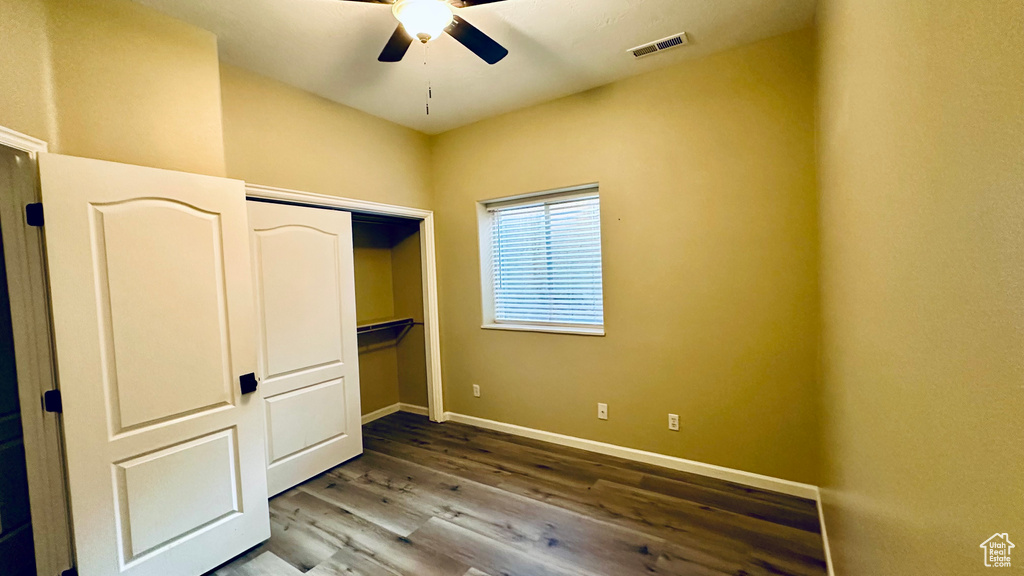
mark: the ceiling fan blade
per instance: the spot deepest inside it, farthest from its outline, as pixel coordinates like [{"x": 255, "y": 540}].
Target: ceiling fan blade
[
  {"x": 478, "y": 43},
  {"x": 467, "y": 3},
  {"x": 397, "y": 46}
]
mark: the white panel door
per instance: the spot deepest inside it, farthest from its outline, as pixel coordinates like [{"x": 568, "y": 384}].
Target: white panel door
[
  {"x": 152, "y": 310},
  {"x": 309, "y": 357}
]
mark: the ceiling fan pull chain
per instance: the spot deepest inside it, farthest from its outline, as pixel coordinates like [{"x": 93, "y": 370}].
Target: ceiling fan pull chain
[{"x": 430, "y": 91}]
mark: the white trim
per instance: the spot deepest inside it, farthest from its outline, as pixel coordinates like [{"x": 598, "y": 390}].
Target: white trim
[
  {"x": 824, "y": 533},
  {"x": 351, "y": 204},
  {"x": 413, "y": 409},
  {"x": 23, "y": 142},
  {"x": 428, "y": 256},
  {"x": 431, "y": 320},
  {"x": 751, "y": 479},
  {"x": 483, "y": 224},
  {"x": 396, "y": 407},
  {"x": 547, "y": 328},
  {"x": 30, "y": 323},
  {"x": 382, "y": 412},
  {"x": 582, "y": 189}
]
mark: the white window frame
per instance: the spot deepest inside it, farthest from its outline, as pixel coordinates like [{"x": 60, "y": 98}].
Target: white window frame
[{"x": 484, "y": 220}]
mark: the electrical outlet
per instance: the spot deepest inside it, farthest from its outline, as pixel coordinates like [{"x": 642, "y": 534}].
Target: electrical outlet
[
  {"x": 673, "y": 422},
  {"x": 602, "y": 411},
  {"x": 476, "y": 390}
]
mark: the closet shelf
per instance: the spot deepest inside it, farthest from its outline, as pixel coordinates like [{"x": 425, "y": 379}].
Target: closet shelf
[{"x": 393, "y": 324}]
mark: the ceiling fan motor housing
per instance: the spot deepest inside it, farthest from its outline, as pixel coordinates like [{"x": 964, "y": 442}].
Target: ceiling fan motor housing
[
  {"x": 424, "y": 19},
  {"x": 428, "y": 19}
]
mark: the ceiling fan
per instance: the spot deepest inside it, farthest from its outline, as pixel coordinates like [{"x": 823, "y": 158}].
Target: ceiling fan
[{"x": 428, "y": 19}]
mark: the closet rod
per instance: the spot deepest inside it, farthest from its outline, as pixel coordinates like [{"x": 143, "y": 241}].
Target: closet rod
[{"x": 387, "y": 325}]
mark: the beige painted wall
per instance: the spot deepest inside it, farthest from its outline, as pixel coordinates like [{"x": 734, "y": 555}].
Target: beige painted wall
[
  {"x": 407, "y": 275},
  {"x": 375, "y": 300},
  {"x": 709, "y": 224},
  {"x": 24, "y": 67},
  {"x": 375, "y": 294},
  {"x": 113, "y": 80},
  {"x": 922, "y": 204},
  {"x": 276, "y": 135},
  {"x": 133, "y": 85}
]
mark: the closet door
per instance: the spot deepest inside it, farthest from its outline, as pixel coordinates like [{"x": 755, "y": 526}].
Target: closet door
[
  {"x": 309, "y": 358},
  {"x": 153, "y": 318}
]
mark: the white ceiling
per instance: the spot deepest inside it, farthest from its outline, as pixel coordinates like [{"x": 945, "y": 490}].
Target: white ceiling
[{"x": 557, "y": 48}]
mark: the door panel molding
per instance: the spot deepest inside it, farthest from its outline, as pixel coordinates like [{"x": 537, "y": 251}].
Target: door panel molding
[
  {"x": 148, "y": 528},
  {"x": 280, "y": 360},
  {"x": 119, "y": 300},
  {"x": 314, "y": 405}
]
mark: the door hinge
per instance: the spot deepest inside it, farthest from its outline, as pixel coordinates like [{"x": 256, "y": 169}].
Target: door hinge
[
  {"x": 52, "y": 402},
  {"x": 34, "y": 214}
]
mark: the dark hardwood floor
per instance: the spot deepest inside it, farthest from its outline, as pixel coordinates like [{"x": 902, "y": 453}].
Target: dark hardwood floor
[{"x": 430, "y": 499}]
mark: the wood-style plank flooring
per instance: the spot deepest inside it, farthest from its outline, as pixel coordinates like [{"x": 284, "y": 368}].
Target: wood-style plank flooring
[{"x": 430, "y": 499}]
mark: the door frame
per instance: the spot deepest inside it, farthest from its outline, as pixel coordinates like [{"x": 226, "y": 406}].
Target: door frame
[
  {"x": 428, "y": 257},
  {"x": 33, "y": 341}
]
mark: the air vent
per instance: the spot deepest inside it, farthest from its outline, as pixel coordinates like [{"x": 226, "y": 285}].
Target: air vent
[{"x": 660, "y": 45}]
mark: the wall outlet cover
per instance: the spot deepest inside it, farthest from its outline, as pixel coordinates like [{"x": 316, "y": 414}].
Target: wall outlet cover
[
  {"x": 476, "y": 390},
  {"x": 602, "y": 411},
  {"x": 673, "y": 422}
]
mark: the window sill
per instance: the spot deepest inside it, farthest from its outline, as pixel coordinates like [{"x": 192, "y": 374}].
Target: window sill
[{"x": 577, "y": 330}]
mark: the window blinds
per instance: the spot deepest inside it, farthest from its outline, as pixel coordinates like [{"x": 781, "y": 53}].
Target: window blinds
[{"x": 546, "y": 261}]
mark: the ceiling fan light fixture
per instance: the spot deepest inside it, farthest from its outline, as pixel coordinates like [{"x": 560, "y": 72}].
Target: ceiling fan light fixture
[{"x": 423, "y": 19}]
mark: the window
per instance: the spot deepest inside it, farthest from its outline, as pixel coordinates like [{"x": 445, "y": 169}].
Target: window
[{"x": 541, "y": 262}]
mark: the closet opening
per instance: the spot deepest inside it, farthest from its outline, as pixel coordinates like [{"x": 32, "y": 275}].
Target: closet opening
[
  {"x": 395, "y": 276},
  {"x": 389, "y": 315}
]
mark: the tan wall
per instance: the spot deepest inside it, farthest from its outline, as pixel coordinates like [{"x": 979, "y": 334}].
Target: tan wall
[
  {"x": 113, "y": 80},
  {"x": 375, "y": 294},
  {"x": 24, "y": 66},
  {"x": 135, "y": 86},
  {"x": 922, "y": 200},
  {"x": 709, "y": 224},
  {"x": 276, "y": 135},
  {"x": 407, "y": 275},
  {"x": 375, "y": 300}
]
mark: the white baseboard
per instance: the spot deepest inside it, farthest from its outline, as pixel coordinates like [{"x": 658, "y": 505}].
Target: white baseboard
[
  {"x": 378, "y": 414},
  {"x": 413, "y": 409},
  {"x": 751, "y": 479},
  {"x": 824, "y": 533},
  {"x": 396, "y": 407}
]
